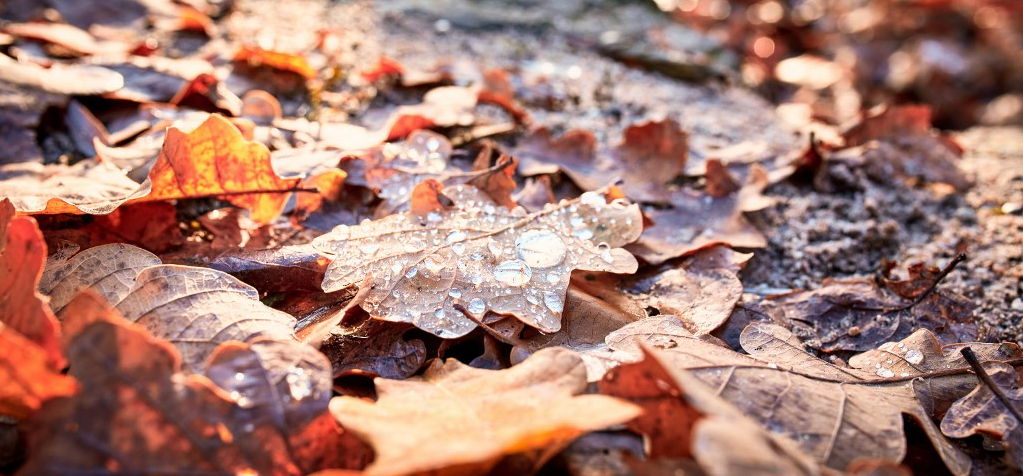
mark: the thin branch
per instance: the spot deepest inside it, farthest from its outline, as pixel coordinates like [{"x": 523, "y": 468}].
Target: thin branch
[
  {"x": 927, "y": 292},
  {"x": 985, "y": 378}
]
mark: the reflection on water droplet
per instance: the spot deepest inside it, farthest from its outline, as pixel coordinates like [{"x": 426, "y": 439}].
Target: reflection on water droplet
[
  {"x": 592, "y": 199},
  {"x": 513, "y": 273},
  {"x": 458, "y": 248},
  {"x": 605, "y": 252},
  {"x": 369, "y": 248},
  {"x": 914, "y": 356},
  {"x": 884, "y": 372},
  {"x": 455, "y": 237},
  {"x": 553, "y": 301},
  {"x": 583, "y": 233},
  {"x": 477, "y": 306},
  {"x": 241, "y": 399},
  {"x": 238, "y": 376},
  {"x": 411, "y": 273},
  {"x": 554, "y": 278},
  {"x": 540, "y": 248},
  {"x": 300, "y": 383},
  {"x": 455, "y": 293}
]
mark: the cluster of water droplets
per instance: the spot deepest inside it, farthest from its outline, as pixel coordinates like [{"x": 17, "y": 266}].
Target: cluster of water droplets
[
  {"x": 481, "y": 256},
  {"x": 903, "y": 358},
  {"x": 402, "y": 165}
]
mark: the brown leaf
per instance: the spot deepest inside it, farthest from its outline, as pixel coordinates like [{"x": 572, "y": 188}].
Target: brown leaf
[
  {"x": 427, "y": 198},
  {"x": 194, "y": 308},
  {"x": 23, "y": 310},
  {"x": 376, "y": 348},
  {"x": 684, "y": 418},
  {"x": 982, "y": 412},
  {"x": 498, "y": 182},
  {"x": 855, "y": 411},
  {"x": 459, "y": 420},
  {"x": 486, "y": 256},
  {"x": 137, "y": 413},
  {"x": 696, "y": 220},
  {"x": 28, "y": 375},
  {"x": 650, "y": 155},
  {"x": 61, "y": 78}
]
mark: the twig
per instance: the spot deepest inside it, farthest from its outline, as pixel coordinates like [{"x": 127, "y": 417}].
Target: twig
[
  {"x": 927, "y": 292},
  {"x": 985, "y": 378},
  {"x": 489, "y": 330}
]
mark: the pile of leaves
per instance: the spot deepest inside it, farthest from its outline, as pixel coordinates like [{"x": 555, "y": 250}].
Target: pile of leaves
[{"x": 224, "y": 258}]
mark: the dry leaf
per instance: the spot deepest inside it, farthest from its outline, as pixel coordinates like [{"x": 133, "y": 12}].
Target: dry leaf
[
  {"x": 480, "y": 254},
  {"x": 60, "y": 78},
  {"x": 194, "y": 308},
  {"x": 88, "y": 186},
  {"x": 166, "y": 422},
  {"x": 684, "y": 418},
  {"x": 28, "y": 375},
  {"x": 983, "y": 412},
  {"x": 22, "y": 309},
  {"x": 650, "y": 155},
  {"x": 855, "y": 411},
  {"x": 459, "y": 420},
  {"x": 256, "y": 57},
  {"x": 697, "y": 220}
]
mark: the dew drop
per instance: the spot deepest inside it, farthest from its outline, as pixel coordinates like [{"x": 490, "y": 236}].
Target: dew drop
[
  {"x": 455, "y": 293},
  {"x": 884, "y": 372},
  {"x": 455, "y": 237},
  {"x": 369, "y": 248},
  {"x": 300, "y": 384},
  {"x": 477, "y": 306},
  {"x": 583, "y": 233},
  {"x": 238, "y": 376},
  {"x": 396, "y": 267},
  {"x": 553, "y": 278},
  {"x": 605, "y": 252},
  {"x": 540, "y": 248},
  {"x": 592, "y": 199},
  {"x": 533, "y": 299},
  {"x": 411, "y": 272},
  {"x": 241, "y": 400},
  {"x": 914, "y": 356},
  {"x": 434, "y": 217},
  {"x": 513, "y": 273},
  {"x": 458, "y": 248},
  {"x": 553, "y": 301},
  {"x": 577, "y": 221}
]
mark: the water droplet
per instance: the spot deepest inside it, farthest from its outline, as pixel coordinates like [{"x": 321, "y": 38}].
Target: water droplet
[
  {"x": 914, "y": 356},
  {"x": 455, "y": 237},
  {"x": 605, "y": 252},
  {"x": 577, "y": 221},
  {"x": 884, "y": 372},
  {"x": 583, "y": 233},
  {"x": 477, "y": 306},
  {"x": 300, "y": 383},
  {"x": 540, "y": 248},
  {"x": 440, "y": 314},
  {"x": 396, "y": 267},
  {"x": 513, "y": 273},
  {"x": 532, "y": 299},
  {"x": 411, "y": 273},
  {"x": 488, "y": 209},
  {"x": 242, "y": 400},
  {"x": 455, "y": 293},
  {"x": 458, "y": 248},
  {"x": 434, "y": 217},
  {"x": 369, "y": 248},
  {"x": 495, "y": 247},
  {"x": 553, "y": 301},
  {"x": 238, "y": 376},
  {"x": 553, "y": 278}
]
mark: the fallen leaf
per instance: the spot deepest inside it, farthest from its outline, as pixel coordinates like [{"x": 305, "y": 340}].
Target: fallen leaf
[
  {"x": 696, "y": 220},
  {"x": 984, "y": 412},
  {"x": 28, "y": 375},
  {"x": 855, "y": 411},
  {"x": 649, "y": 157},
  {"x": 67, "y": 36},
  {"x": 376, "y": 348},
  {"x": 23, "y": 310},
  {"x": 685, "y": 418},
  {"x": 196, "y": 309},
  {"x": 455, "y": 419},
  {"x": 61, "y": 78},
  {"x": 88, "y": 186},
  {"x": 257, "y": 57},
  {"x": 166, "y": 422},
  {"x": 480, "y": 254}
]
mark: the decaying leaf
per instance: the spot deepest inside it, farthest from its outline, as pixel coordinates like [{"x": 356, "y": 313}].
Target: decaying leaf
[
  {"x": 376, "y": 348},
  {"x": 984, "y": 412},
  {"x": 28, "y": 376},
  {"x": 22, "y": 309},
  {"x": 480, "y": 254},
  {"x": 684, "y": 418},
  {"x": 696, "y": 220},
  {"x": 459, "y": 420},
  {"x": 650, "y": 155},
  {"x": 855, "y": 411},
  {"x": 194, "y": 308},
  {"x": 165, "y": 422}
]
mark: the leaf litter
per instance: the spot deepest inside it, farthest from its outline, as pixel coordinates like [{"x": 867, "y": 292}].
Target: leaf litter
[{"x": 266, "y": 244}]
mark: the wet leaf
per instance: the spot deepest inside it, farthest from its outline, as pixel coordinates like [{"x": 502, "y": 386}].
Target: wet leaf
[
  {"x": 480, "y": 254},
  {"x": 459, "y": 420},
  {"x": 23, "y": 310},
  {"x": 983, "y": 412}
]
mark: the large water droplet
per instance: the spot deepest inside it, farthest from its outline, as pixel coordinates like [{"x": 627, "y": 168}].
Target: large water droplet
[
  {"x": 914, "y": 356},
  {"x": 884, "y": 372},
  {"x": 583, "y": 233},
  {"x": 540, "y": 248},
  {"x": 455, "y": 293},
  {"x": 605, "y": 252},
  {"x": 553, "y": 301},
  {"x": 513, "y": 273},
  {"x": 458, "y": 248},
  {"x": 477, "y": 306},
  {"x": 369, "y": 248},
  {"x": 553, "y": 278},
  {"x": 455, "y": 237},
  {"x": 300, "y": 383},
  {"x": 411, "y": 273},
  {"x": 592, "y": 199}
]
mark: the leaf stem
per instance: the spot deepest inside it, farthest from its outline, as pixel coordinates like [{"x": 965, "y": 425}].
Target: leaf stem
[{"x": 985, "y": 378}]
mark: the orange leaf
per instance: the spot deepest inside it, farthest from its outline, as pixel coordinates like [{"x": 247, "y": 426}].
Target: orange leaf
[
  {"x": 426, "y": 197},
  {"x": 328, "y": 185},
  {"x": 28, "y": 376},
  {"x": 256, "y": 56},
  {"x": 385, "y": 67},
  {"x": 22, "y": 308},
  {"x": 215, "y": 159}
]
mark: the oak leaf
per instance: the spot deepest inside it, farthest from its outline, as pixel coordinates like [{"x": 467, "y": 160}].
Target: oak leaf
[
  {"x": 28, "y": 375},
  {"x": 985, "y": 412},
  {"x": 855, "y": 410},
  {"x": 480, "y": 254},
  {"x": 456, "y": 419}
]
